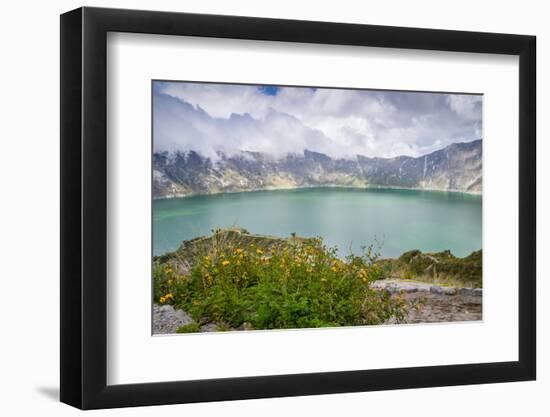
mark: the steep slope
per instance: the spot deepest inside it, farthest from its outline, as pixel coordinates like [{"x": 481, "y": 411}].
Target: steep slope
[{"x": 456, "y": 167}]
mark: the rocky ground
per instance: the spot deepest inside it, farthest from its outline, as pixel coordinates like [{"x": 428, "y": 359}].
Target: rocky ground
[
  {"x": 430, "y": 303},
  {"x": 437, "y": 308},
  {"x": 427, "y": 304},
  {"x": 166, "y": 319}
]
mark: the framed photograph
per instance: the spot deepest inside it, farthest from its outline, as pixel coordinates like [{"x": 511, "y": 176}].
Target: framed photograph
[{"x": 257, "y": 208}]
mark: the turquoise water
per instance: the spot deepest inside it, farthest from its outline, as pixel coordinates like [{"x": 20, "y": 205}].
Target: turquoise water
[{"x": 399, "y": 220}]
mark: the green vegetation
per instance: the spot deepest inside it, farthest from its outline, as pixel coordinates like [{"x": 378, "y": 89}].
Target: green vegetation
[
  {"x": 189, "y": 328},
  {"x": 237, "y": 280},
  {"x": 441, "y": 267}
]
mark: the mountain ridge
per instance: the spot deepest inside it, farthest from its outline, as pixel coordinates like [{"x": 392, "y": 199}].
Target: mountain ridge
[{"x": 456, "y": 167}]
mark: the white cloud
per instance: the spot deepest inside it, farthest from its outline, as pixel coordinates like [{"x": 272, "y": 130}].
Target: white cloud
[
  {"x": 465, "y": 106},
  {"x": 341, "y": 123}
]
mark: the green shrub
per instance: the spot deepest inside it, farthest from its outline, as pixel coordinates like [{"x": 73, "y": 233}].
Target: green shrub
[
  {"x": 439, "y": 266},
  {"x": 189, "y": 328},
  {"x": 296, "y": 284}
]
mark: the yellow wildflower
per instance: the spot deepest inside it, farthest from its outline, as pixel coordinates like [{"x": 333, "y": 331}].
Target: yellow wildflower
[
  {"x": 238, "y": 250},
  {"x": 225, "y": 263},
  {"x": 165, "y": 298}
]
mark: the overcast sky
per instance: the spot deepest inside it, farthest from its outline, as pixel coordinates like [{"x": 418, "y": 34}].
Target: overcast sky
[{"x": 341, "y": 123}]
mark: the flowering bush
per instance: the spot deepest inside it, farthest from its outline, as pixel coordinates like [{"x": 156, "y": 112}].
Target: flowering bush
[{"x": 299, "y": 284}]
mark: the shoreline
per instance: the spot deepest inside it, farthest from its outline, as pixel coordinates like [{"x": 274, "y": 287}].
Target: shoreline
[{"x": 307, "y": 187}]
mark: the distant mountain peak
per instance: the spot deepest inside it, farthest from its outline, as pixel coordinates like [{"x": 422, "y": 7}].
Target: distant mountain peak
[{"x": 457, "y": 167}]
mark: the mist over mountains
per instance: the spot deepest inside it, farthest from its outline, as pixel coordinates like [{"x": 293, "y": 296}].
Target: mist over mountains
[
  {"x": 224, "y": 118},
  {"x": 457, "y": 167}
]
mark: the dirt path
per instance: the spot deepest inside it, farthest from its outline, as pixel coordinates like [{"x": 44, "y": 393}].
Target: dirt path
[
  {"x": 436, "y": 308},
  {"x": 430, "y": 303}
]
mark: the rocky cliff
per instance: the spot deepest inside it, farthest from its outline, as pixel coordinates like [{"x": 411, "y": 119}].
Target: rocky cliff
[{"x": 457, "y": 167}]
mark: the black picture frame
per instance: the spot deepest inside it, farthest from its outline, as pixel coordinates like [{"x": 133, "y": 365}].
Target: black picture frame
[{"x": 84, "y": 207}]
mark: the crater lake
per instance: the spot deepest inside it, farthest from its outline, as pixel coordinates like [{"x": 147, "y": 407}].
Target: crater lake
[{"x": 394, "y": 220}]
